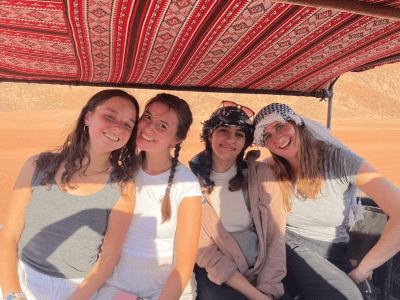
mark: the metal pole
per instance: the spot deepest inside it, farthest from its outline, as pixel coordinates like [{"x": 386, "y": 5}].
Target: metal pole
[
  {"x": 329, "y": 117},
  {"x": 329, "y": 95}
]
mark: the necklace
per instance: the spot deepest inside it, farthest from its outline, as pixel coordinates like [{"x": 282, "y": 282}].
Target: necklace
[{"x": 105, "y": 170}]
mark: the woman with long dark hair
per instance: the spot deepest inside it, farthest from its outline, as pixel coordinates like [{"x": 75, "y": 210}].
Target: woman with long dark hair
[
  {"x": 67, "y": 201},
  {"x": 241, "y": 250}
]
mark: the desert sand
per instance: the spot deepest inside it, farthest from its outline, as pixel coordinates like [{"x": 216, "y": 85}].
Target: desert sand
[{"x": 366, "y": 117}]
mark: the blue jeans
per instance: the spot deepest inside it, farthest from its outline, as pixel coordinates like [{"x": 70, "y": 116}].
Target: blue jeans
[{"x": 318, "y": 270}]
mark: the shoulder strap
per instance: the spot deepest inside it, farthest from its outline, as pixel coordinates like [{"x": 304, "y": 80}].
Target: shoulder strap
[
  {"x": 246, "y": 197},
  {"x": 245, "y": 190}
]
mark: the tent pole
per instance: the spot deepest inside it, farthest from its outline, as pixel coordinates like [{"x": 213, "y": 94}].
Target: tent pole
[
  {"x": 329, "y": 95},
  {"x": 329, "y": 117}
]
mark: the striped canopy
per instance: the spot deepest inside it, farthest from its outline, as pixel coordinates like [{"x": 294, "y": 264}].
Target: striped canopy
[{"x": 205, "y": 45}]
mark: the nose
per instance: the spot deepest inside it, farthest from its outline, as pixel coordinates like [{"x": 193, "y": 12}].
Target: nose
[
  {"x": 148, "y": 126},
  {"x": 118, "y": 126},
  {"x": 230, "y": 137}
]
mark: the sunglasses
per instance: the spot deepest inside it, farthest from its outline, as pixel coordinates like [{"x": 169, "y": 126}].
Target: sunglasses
[{"x": 249, "y": 112}]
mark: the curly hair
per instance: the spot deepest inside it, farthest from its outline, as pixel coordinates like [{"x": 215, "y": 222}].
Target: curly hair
[
  {"x": 124, "y": 160},
  {"x": 185, "y": 120}
]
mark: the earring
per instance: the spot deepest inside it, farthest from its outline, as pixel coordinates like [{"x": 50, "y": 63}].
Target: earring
[{"x": 86, "y": 128}]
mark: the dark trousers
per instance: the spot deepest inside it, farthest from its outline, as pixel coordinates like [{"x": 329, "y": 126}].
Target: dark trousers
[
  {"x": 318, "y": 270},
  {"x": 208, "y": 290}
]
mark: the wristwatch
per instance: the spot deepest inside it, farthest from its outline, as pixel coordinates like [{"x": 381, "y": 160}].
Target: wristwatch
[{"x": 13, "y": 296}]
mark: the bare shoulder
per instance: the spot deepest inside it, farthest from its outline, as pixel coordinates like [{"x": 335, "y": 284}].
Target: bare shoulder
[
  {"x": 25, "y": 176},
  {"x": 30, "y": 164}
]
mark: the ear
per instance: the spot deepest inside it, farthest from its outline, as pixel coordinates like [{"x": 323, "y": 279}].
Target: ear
[
  {"x": 88, "y": 117},
  {"x": 175, "y": 142}
]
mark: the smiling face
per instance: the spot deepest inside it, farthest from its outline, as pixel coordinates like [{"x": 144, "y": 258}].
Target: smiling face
[
  {"x": 227, "y": 142},
  {"x": 111, "y": 124},
  {"x": 281, "y": 139},
  {"x": 157, "y": 128}
]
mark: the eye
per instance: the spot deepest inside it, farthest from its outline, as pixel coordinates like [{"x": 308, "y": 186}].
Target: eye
[
  {"x": 147, "y": 116},
  {"x": 240, "y": 134},
  {"x": 280, "y": 126},
  {"x": 222, "y": 129},
  {"x": 110, "y": 117},
  {"x": 267, "y": 137},
  {"x": 162, "y": 126},
  {"x": 128, "y": 126}
]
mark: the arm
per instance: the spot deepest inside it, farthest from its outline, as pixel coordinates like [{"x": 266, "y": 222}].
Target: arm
[
  {"x": 210, "y": 257},
  {"x": 387, "y": 196},
  {"x": 221, "y": 269},
  {"x": 241, "y": 284},
  {"x": 13, "y": 227},
  {"x": 118, "y": 223},
  {"x": 187, "y": 241}
]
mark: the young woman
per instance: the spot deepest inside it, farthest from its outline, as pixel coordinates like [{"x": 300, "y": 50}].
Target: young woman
[
  {"x": 241, "y": 251},
  {"x": 67, "y": 201},
  {"x": 318, "y": 176},
  {"x": 160, "y": 248}
]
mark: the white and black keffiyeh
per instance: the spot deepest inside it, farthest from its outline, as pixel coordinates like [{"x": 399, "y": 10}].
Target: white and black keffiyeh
[
  {"x": 271, "y": 113},
  {"x": 228, "y": 116}
]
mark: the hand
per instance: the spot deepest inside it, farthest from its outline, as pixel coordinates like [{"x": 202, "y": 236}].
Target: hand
[{"x": 359, "y": 276}]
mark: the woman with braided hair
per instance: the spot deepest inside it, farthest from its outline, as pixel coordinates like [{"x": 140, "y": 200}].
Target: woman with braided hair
[
  {"x": 159, "y": 251},
  {"x": 241, "y": 250},
  {"x": 319, "y": 176}
]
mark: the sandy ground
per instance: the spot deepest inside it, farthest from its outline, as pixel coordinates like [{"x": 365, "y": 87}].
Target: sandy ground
[
  {"x": 366, "y": 117},
  {"x": 378, "y": 141}
]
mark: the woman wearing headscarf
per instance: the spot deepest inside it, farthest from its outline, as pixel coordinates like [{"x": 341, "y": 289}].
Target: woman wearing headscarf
[
  {"x": 241, "y": 250},
  {"x": 319, "y": 176}
]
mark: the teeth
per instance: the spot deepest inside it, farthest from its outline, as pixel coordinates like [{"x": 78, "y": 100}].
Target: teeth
[
  {"x": 147, "y": 138},
  {"x": 287, "y": 143},
  {"x": 114, "y": 138}
]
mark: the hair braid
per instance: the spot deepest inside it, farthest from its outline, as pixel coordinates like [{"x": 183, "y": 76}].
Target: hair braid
[
  {"x": 166, "y": 202},
  {"x": 185, "y": 118}
]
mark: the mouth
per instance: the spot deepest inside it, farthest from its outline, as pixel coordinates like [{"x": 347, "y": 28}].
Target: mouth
[
  {"x": 228, "y": 148},
  {"x": 147, "y": 138},
  {"x": 286, "y": 144},
  {"x": 111, "y": 137}
]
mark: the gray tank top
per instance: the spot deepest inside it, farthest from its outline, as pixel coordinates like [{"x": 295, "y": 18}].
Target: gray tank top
[{"x": 63, "y": 233}]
